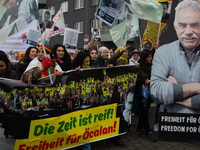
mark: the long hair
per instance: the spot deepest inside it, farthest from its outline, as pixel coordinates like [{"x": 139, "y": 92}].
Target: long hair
[
  {"x": 78, "y": 61},
  {"x": 145, "y": 53},
  {"x": 66, "y": 57},
  {"x": 26, "y": 57}
]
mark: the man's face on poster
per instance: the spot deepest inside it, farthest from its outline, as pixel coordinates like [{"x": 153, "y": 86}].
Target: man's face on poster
[
  {"x": 46, "y": 17},
  {"x": 8, "y": 4},
  {"x": 188, "y": 28},
  {"x": 165, "y": 7}
]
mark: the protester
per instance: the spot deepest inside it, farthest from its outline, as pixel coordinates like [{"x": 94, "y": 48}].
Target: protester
[
  {"x": 30, "y": 54},
  {"x": 120, "y": 56},
  {"x": 93, "y": 55},
  {"x": 142, "y": 94},
  {"x": 21, "y": 56},
  {"x": 135, "y": 58},
  {"x": 102, "y": 59},
  {"x": 111, "y": 51},
  {"x": 17, "y": 100},
  {"x": 62, "y": 57},
  {"x": 41, "y": 66},
  {"x": 5, "y": 68}
]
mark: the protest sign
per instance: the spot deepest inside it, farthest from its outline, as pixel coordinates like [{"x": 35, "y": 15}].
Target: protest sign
[
  {"x": 73, "y": 127},
  {"x": 97, "y": 40},
  {"x": 33, "y": 37},
  {"x": 70, "y": 39},
  {"x": 108, "y": 10}
]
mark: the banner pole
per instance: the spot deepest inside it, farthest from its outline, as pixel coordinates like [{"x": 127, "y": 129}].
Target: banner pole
[
  {"x": 140, "y": 42},
  {"x": 45, "y": 54},
  {"x": 97, "y": 31},
  {"x": 94, "y": 24},
  {"x": 158, "y": 33}
]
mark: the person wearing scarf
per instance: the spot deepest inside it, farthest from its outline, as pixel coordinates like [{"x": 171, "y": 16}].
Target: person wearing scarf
[
  {"x": 40, "y": 65},
  {"x": 135, "y": 58},
  {"x": 120, "y": 56},
  {"x": 102, "y": 59},
  {"x": 62, "y": 57}
]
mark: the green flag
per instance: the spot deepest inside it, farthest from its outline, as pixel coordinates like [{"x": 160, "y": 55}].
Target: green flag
[
  {"x": 147, "y": 10},
  {"x": 125, "y": 31}
]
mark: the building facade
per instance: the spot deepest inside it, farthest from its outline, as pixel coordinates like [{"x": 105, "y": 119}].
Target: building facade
[{"x": 80, "y": 15}]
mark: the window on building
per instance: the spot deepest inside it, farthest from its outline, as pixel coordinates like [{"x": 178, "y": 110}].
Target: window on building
[
  {"x": 64, "y": 6},
  {"x": 78, "y": 4},
  {"x": 94, "y": 2},
  {"x": 52, "y": 8},
  {"x": 97, "y": 23},
  {"x": 79, "y": 26}
]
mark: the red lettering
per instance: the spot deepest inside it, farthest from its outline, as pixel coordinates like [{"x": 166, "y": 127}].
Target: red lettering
[
  {"x": 91, "y": 134},
  {"x": 34, "y": 147},
  {"x": 52, "y": 144},
  {"x": 28, "y": 147},
  {"x": 21, "y": 147},
  {"x": 104, "y": 130}
]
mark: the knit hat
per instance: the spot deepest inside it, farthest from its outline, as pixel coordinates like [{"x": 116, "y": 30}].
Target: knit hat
[
  {"x": 4, "y": 58},
  {"x": 20, "y": 55},
  {"x": 47, "y": 48}
]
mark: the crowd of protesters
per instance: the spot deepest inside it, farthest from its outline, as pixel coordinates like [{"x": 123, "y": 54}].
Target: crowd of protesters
[{"x": 35, "y": 65}]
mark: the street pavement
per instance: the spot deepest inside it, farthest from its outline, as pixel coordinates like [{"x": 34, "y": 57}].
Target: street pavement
[{"x": 131, "y": 140}]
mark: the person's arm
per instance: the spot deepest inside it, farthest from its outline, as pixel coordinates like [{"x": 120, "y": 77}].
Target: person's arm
[
  {"x": 189, "y": 90},
  {"x": 118, "y": 53},
  {"x": 160, "y": 88},
  {"x": 165, "y": 89},
  {"x": 89, "y": 46}
]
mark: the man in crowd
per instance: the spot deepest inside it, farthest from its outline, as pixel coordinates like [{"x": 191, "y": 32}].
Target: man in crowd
[{"x": 175, "y": 79}]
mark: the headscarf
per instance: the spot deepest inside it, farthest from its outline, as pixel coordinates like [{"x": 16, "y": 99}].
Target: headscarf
[{"x": 20, "y": 55}]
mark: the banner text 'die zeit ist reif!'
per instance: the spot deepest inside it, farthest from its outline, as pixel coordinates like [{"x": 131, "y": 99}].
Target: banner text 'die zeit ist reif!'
[{"x": 71, "y": 129}]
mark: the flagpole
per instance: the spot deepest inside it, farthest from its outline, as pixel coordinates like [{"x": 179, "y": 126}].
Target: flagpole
[
  {"x": 45, "y": 54},
  {"x": 94, "y": 24},
  {"x": 158, "y": 32},
  {"x": 97, "y": 31}
]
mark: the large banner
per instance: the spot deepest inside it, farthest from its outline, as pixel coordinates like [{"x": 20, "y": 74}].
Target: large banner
[
  {"x": 79, "y": 107},
  {"x": 16, "y": 16}
]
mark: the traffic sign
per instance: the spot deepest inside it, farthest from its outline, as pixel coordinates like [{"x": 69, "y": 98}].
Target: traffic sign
[
  {"x": 86, "y": 43},
  {"x": 86, "y": 36}
]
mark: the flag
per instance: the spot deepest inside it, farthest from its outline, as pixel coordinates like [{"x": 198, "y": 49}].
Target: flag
[
  {"x": 58, "y": 25},
  {"x": 147, "y": 10},
  {"x": 150, "y": 35},
  {"x": 16, "y": 17},
  {"x": 18, "y": 41},
  {"x": 166, "y": 4},
  {"x": 44, "y": 36},
  {"x": 125, "y": 31}
]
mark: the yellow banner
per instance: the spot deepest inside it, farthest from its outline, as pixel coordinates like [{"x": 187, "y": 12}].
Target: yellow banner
[{"x": 71, "y": 129}]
